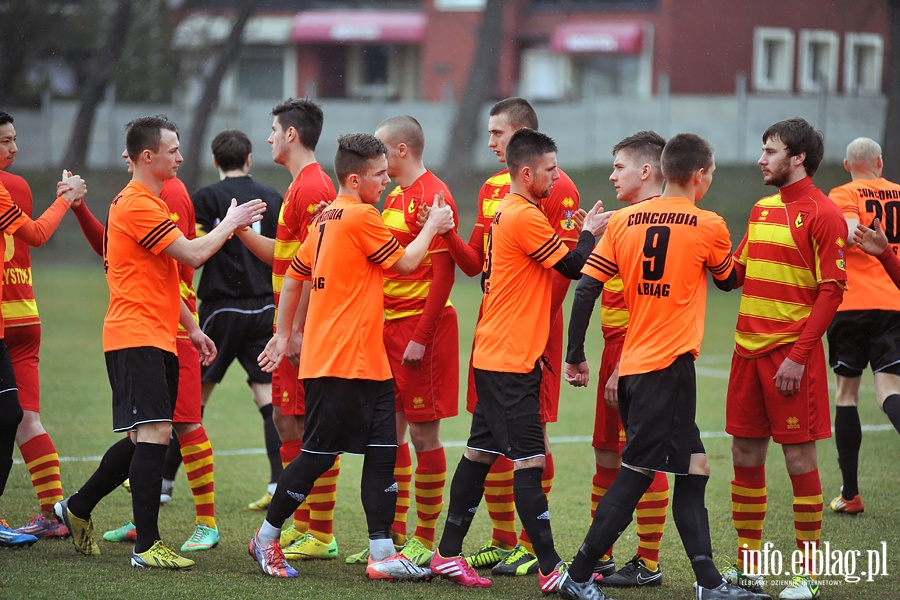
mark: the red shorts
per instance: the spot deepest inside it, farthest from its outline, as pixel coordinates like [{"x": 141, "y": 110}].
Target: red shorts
[
  {"x": 429, "y": 391},
  {"x": 608, "y": 431},
  {"x": 24, "y": 343},
  {"x": 755, "y": 409},
  {"x": 287, "y": 390},
  {"x": 550, "y": 377},
  {"x": 188, "y": 403}
]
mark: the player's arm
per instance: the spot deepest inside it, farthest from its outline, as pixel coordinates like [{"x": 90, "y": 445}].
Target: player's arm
[
  {"x": 444, "y": 274},
  {"x": 872, "y": 240},
  {"x": 37, "y": 232},
  {"x": 847, "y": 199},
  {"x": 587, "y": 291},
  {"x": 571, "y": 264},
  {"x": 469, "y": 257},
  {"x": 204, "y": 345},
  {"x": 292, "y": 307},
  {"x": 90, "y": 226},
  {"x": 439, "y": 221},
  {"x": 197, "y": 251},
  {"x": 261, "y": 246}
]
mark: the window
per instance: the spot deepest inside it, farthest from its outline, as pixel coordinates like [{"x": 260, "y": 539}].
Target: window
[
  {"x": 863, "y": 56},
  {"x": 261, "y": 73},
  {"x": 464, "y": 5},
  {"x": 382, "y": 71},
  {"x": 773, "y": 59},
  {"x": 818, "y": 58},
  {"x": 546, "y": 76}
]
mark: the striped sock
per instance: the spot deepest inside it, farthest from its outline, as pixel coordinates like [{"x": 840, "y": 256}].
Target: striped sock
[
  {"x": 430, "y": 479},
  {"x": 748, "y": 511},
  {"x": 546, "y": 485},
  {"x": 603, "y": 478},
  {"x": 807, "y": 513},
  {"x": 321, "y": 500},
  {"x": 501, "y": 505},
  {"x": 289, "y": 451},
  {"x": 197, "y": 454},
  {"x": 403, "y": 477},
  {"x": 42, "y": 461},
  {"x": 651, "y": 519}
]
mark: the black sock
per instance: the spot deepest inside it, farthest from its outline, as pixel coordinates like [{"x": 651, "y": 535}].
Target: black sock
[
  {"x": 378, "y": 490},
  {"x": 466, "y": 491},
  {"x": 10, "y": 417},
  {"x": 111, "y": 472},
  {"x": 173, "y": 458},
  {"x": 146, "y": 482},
  {"x": 612, "y": 516},
  {"x": 273, "y": 443},
  {"x": 848, "y": 439},
  {"x": 692, "y": 521},
  {"x": 891, "y": 408},
  {"x": 531, "y": 504},
  {"x": 294, "y": 485}
]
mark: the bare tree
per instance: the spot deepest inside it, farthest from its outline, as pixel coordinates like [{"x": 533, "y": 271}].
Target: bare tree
[
  {"x": 209, "y": 101},
  {"x": 105, "y": 61},
  {"x": 892, "y": 121},
  {"x": 458, "y": 164}
]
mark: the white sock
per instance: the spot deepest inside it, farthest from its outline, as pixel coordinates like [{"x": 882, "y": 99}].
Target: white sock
[
  {"x": 271, "y": 488},
  {"x": 381, "y": 549},
  {"x": 268, "y": 533}
]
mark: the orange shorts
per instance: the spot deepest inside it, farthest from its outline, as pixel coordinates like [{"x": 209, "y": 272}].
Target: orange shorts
[
  {"x": 287, "y": 389},
  {"x": 24, "y": 343},
  {"x": 608, "y": 431},
  {"x": 188, "y": 403},
  {"x": 551, "y": 375},
  {"x": 755, "y": 409},
  {"x": 429, "y": 391}
]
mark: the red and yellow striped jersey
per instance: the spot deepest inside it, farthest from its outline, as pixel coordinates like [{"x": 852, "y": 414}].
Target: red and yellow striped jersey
[
  {"x": 181, "y": 212},
  {"x": 613, "y": 311},
  {"x": 795, "y": 241},
  {"x": 405, "y": 295},
  {"x": 19, "y": 306}
]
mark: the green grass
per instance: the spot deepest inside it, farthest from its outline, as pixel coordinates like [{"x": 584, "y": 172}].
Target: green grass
[{"x": 76, "y": 411}]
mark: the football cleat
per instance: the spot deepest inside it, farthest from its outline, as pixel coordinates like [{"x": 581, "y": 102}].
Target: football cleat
[
  {"x": 571, "y": 590},
  {"x": 262, "y": 503},
  {"x": 270, "y": 558},
  {"x": 605, "y": 568},
  {"x": 125, "y": 533},
  {"x": 417, "y": 553},
  {"x": 310, "y": 547},
  {"x": 204, "y": 538},
  {"x": 43, "y": 527},
  {"x": 550, "y": 583},
  {"x": 487, "y": 556},
  {"x": 634, "y": 574},
  {"x": 727, "y": 591},
  {"x": 160, "y": 556},
  {"x": 518, "y": 562},
  {"x": 735, "y": 576},
  {"x": 458, "y": 570},
  {"x": 10, "y": 538},
  {"x": 849, "y": 507},
  {"x": 802, "y": 587},
  {"x": 396, "y": 568},
  {"x": 82, "y": 530},
  {"x": 290, "y": 535}
]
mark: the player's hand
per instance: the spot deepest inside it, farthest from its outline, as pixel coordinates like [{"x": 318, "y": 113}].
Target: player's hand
[
  {"x": 441, "y": 215},
  {"x": 422, "y": 214},
  {"x": 73, "y": 187},
  {"x": 870, "y": 240},
  {"x": 788, "y": 376},
  {"x": 272, "y": 354},
  {"x": 244, "y": 215},
  {"x": 596, "y": 220},
  {"x": 414, "y": 354},
  {"x": 578, "y": 219},
  {"x": 322, "y": 205},
  {"x": 611, "y": 389},
  {"x": 577, "y": 375},
  {"x": 204, "y": 345},
  {"x": 292, "y": 351}
]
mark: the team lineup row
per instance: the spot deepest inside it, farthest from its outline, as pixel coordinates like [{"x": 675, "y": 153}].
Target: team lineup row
[{"x": 368, "y": 305}]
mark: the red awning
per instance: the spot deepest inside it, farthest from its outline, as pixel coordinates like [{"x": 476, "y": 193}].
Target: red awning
[
  {"x": 598, "y": 38},
  {"x": 358, "y": 26}
]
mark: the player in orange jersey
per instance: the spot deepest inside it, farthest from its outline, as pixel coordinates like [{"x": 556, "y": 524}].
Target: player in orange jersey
[
  {"x": 508, "y": 554},
  {"x": 335, "y": 288},
  {"x": 866, "y": 328},
  {"x": 509, "y": 340},
  {"x": 20, "y": 418},
  {"x": 791, "y": 262},
  {"x": 142, "y": 246},
  {"x": 872, "y": 240},
  {"x": 296, "y": 127},
  {"x": 662, "y": 249}
]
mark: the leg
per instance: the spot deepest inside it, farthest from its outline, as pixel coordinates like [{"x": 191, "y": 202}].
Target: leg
[
  {"x": 403, "y": 477},
  {"x": 803, "y": 469},
  {"x": 748, "y": 498},
  {"x": 39, "y": 455},
  {"x": 692, "y": 521},
  {"x": 466, "y": 491},
  {"x": 887, "y": 391},
  {"x": 430, "y": 478},
  {"x": 847, "y": 435},
  {"x": 145, "y": 473}
]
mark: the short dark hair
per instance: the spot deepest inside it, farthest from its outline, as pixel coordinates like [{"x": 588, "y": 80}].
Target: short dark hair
[
  {"x": 305, "y": 116},
  {"x": 145, "y": 133},
  {"x": 518, "y": 112},
  {"x": 683, "y": 155},
  {"x": 525, "y": 147},
  {"x": 799, "y": 137},
  {"x": 406, "y": 130},
  {"x": 647, "y": 145},
  {"x": 231, "y": 149},
  {"x": 354, "y": 151},
  {"x": 5, "y": 118}
]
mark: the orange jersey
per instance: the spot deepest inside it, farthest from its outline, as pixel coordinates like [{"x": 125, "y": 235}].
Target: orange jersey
[
  {"x": 662, "y": 248},
  {"x": 19, "y": 306},
  {"x": 790, "y": 248},
  {"x": 298, "y": 209},
  {"x": 181, "y": 212},
  {"x": 404, "y": 295},
  {"x": 515, "y": 311},
  {"x": 344, "y": 256},
  {"x": 144, "y": 300},
  {"x": 868, "y": 285},
  {"x": 613, "y": 311},
  {"x": 11, "y": 219}
]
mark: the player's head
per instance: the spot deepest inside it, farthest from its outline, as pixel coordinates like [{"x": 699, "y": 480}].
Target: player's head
[
  {"x": 231, "y": 149},
  {"x": 792, "y": 149},
  {"x": 295, "y": 120},
  {"x": 506, "y": 117},
  {"x": 404, "y": 138},
  {"x": 636, "y": 166},
  {"x": 688, "y": 159},
  {"x": 531, "y": 159},
  {"x": 8, "y": 148},
  {"x": 864, "y": 155},
  {"x": 361, "y": 166},
  {"x": 152, "y": 144}
]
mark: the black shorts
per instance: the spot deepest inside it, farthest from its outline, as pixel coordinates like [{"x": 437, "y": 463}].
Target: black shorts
[
  {"x": 10, "y": 409},
  {"x": 348, "y": 415},
  {"x": 507, "y": 417},
  {"x": 240, "y": 328},
  {"x": 857, "y": 338},
  {"x": 658, "y": 411},
  {"x": 144, "y": 384}
]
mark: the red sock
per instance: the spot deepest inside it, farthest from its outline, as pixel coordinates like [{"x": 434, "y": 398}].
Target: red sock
[
  {"x": 403, "y": 477},
  {"x": 748, "y": 511},
  {"x": 808, "y": 503},
  {"x": 501, "y": 505},
  {"x": 603, "y": 478},
  {"x": 430, "y": 479},
  {"x": 42, "y": 462},
  {"x": 196, "y": 451}
]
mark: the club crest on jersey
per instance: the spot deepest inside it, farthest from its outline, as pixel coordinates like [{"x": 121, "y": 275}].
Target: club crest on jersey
[
  {"x": 174, "y": 217},
  {"x": 840, "y": 243},
  {"x": 764, "y": 214},
  {"x": 412, "y": 206},
  {"x": 798, "y": 222},
  {"x": 568, "y": 202}
]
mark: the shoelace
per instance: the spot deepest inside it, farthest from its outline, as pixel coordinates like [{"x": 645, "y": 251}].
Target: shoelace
[{"x": 198, "y": 536}]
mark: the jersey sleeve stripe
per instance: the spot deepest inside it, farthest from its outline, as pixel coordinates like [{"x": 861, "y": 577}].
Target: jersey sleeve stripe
[
  {"x": 547, "y": 249},
  {"x": 382, "y": 254},
  {"x": 602, "y": 264},
  {"x": 723, "y": 267},
  {"x": 298, "y": 266},
  {"x": 10, "y": 216},
  {"x": 157, "y": 233}
]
